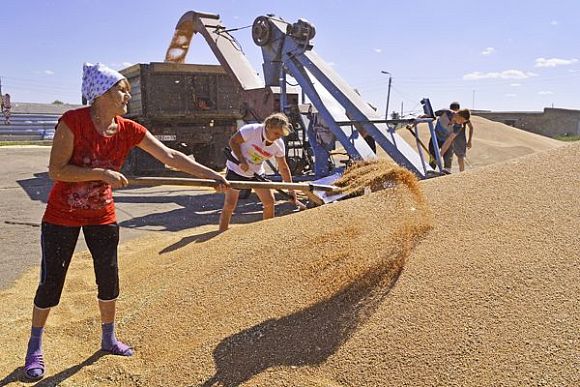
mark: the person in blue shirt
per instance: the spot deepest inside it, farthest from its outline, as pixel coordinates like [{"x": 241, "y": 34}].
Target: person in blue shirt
[
  {"x": 449, "y": 124},
  {"x": 460, "y": 141}
]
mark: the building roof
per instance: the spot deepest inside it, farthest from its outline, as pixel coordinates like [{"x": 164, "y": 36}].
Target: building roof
[
  {"x": 41, "y": 108},
  {"x": 523, "y": 112}
]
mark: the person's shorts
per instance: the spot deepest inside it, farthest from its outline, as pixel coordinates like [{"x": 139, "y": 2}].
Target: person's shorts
[
  {"x": 460, "y": 144},
  {"x": 231, "y": 175}
]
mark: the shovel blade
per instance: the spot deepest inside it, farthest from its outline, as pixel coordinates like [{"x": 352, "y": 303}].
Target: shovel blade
[{"x": 327, "y": 196}]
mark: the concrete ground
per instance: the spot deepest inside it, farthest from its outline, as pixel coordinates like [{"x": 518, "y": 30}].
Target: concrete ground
[{"x": 24, "y": 188}]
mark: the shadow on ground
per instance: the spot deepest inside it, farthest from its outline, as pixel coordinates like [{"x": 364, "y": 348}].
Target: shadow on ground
[
  {"x": 18, "y": 374},
  {"x": 38, "y": 187},
  {"x": 307, "y": 337},
  {"x": 194, "y": 209},
  {"x": 189, "y": 239}
]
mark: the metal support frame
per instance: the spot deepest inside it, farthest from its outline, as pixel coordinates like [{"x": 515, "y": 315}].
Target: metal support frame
[
  {"x": 321, "y": 154},
  {"x": 428, "y": 110},
  {"x": 358, "y": 149},
  {"x": 281, "y": 46},
  {"x": 283, "y": 96}
]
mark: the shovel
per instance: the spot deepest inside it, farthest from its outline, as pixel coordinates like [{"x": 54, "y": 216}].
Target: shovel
[
  {"x": 286, "y": 195},
  {"x": 307, "y": 188}
]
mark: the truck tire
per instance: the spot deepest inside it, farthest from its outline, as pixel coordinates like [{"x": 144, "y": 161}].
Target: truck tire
[{"x": 210, "y": 155}]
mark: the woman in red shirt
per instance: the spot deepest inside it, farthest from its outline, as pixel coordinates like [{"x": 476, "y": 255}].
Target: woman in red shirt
[{"x": 89, "y": 148}]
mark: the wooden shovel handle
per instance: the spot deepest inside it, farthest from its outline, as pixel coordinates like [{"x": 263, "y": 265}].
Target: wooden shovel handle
[{"x": 157, "y": 181}]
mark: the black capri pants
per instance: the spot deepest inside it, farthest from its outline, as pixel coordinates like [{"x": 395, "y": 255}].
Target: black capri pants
[{"x": 58, "y": 245}]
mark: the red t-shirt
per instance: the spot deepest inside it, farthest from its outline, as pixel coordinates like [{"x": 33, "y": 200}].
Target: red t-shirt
[{"x": 91, "y": 202}]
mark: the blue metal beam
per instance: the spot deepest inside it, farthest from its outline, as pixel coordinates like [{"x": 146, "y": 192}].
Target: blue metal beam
[{"x": 282, "y": 48}]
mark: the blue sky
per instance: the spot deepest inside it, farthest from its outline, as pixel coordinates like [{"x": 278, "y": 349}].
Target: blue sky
[{"x": 499, "y": 55}]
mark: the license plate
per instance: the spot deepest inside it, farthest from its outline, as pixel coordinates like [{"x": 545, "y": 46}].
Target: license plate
[{"x": 166, "y": 137}]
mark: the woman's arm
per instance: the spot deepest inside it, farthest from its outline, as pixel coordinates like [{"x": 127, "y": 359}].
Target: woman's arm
[
  {"x": 236, "y": 142},
  {"x": 177, "y": 159},
  {"x": 447, "y": 144},
  {"x": 470, "y": 126},
  {"x": 60, "y": 169},
  {"x": 284, "y": 169}
]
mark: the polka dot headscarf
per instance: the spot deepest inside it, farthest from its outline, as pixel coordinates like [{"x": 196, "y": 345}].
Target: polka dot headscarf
[{"x": 97, "y": 79}]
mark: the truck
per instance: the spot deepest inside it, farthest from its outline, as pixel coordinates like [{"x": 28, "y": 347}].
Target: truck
[{"x": 189, "y": 107}]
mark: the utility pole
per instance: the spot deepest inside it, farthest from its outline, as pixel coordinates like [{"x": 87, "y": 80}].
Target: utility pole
[
  {"x": 401, "y": 108},
  {"x": 388, "y": 94}
]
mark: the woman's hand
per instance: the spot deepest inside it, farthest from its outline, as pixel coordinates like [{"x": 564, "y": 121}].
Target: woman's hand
[
  {"x": 114, "y": 178},
  {"x": 224, "y": 184},
  {"x": 295, "y": 201},
  {"x": 244, "y": 166},
  {"x": 293, "y": 197}
]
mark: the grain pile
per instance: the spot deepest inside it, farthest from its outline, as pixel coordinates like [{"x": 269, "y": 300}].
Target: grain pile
[
  {"x": 299, "y": 285},
  {"x": 371, "y": 176},
  {"x": 482, "y": 289},
  {"x": 493, "y": 142}
]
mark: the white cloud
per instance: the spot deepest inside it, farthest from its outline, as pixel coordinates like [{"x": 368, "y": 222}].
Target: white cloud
[
  {"x": 515, "y": 84},
  {"x": 127, "y": 64},
  {"x": 49, "y": 72},
  {"x": 554, "y": 22},
  {"x": 553, "y": 62},
  {"x": 507, "y": 74},
  {"x": 511, "y": 95},
  {"x": 545, "y": 92},
  {"x": 488, "y": 51},
  {"x": 378, "y": 50}
]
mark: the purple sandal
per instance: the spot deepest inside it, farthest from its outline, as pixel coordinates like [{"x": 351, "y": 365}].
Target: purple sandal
[
  {"x": 119, "y": 349},
  {"x": 34, "y": 366}
]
